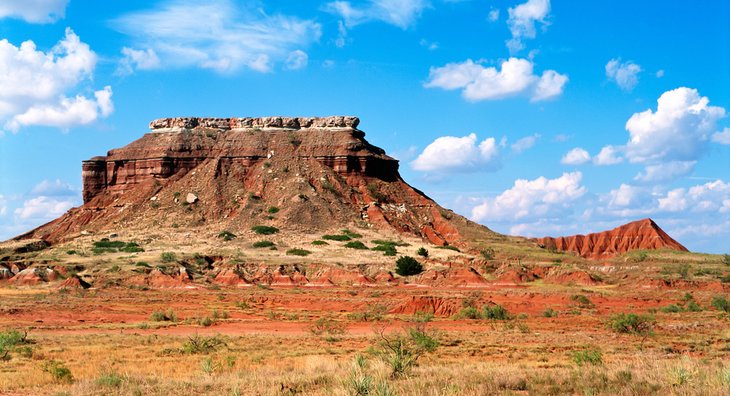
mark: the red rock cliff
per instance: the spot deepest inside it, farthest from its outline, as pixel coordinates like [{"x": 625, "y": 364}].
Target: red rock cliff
[{"x": 642, "y": 234}]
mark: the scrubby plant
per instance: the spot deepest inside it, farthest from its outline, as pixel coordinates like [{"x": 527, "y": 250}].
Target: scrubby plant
[
  {"x": 263, "y": 244},
  {"x": 402, "y": 351},
  {"x": 327, "y": 325},
  {"x": 264, "y": 230},
  {"x": 495, "y": 312},
  {"x": 226, "y": 235},
  {"x": 168, "y": 257},
  {"x": 351, "y": 234},
  {"x": 550, "y": 313},
  {"x": 319, "y": 243},
  {"x": 672, "y": 308},
  {"x": 356, "y": 245},
  {"x": 272, "y": 209},
  {"x": 468, "y": 313},
  {"x": 197, "y": 344},
  {"x": 161, "y": 316},
  {"x": 448, "y": 247},
  {"x": 581, "y": 300},
  {"x": 336, "y": 237},
  {"x": 374, "y": 313},
  {"x": 631, "y": 323},
  {"x": 721, "y": 303},
  {"x": 588, "y": 356},
  {"x": 726, "y": 259},
  {"x": 106, "y": 243},
  {"x": 407, "y": 266},
  {"x": 422, "y": 252},
  {"x": 131, "y": 247},
  {"x": 487, "y": 253},
  {"x": 389, "y": 242},
  {"x": 10, "y": 340},
  {"x": 374, "y": 192},
  {"x": 58, "y": 371},
  {"x": 298, "y": 252},
  {"x": 388, "y": 250}
]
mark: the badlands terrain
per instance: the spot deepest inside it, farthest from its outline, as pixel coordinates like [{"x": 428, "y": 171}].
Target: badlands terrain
[{"x": 281, "y": 256}]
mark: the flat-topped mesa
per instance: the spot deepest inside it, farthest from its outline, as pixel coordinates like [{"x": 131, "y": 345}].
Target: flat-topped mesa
[
  {"x": 175, "y": 146},
  {"x": 253, "y": 123}
]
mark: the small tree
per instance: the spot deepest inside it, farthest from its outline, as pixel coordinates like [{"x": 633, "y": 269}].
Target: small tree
[
  {"x": 401, "y": 351},
  {"x": 631, "y": 323},
  {"x": 407, "y": 265},
  {"x": 422, "y": 252}
]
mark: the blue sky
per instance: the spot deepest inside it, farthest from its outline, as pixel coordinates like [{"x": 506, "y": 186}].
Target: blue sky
[{"x": 532, "y": 117}]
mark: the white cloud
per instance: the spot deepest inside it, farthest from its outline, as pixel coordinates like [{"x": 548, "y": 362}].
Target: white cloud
[
  {"x": 53, "y": 188},
  {"x": 493, "y": 15},
  {"x": 522, "y": 20},
  {"x": 525, "y": 143},
  {"x": 671, "y": 140},
  {"x": 659, "y": 73},
  {"x": 3, "y": 205},
  {"x": 626, "y": 74},
  {"x": 711, "y": 197},
  {"x": 215, "y": 34},
  {"x": 609, "y": 155},
  {"x": 296, "y": 60},
  {"x": 541, "y": 198},
  {"x": 43, "y": 208},
  {"x": 576, "y": 156},
  {"x": 34, "y": 11},
  {"x": 451, "y": 153},
  {"x": 133, "y": 59},
  {"x": 515, "y": 77},
  {"x": 626, "y": 196},
  {"x": 665, "y": 171},
  {"x": 400, "y": 13},
  {"x": 430, "y": 45},
  {"x": 722, "y": 137},
  {"x": 34, "y": 85}
]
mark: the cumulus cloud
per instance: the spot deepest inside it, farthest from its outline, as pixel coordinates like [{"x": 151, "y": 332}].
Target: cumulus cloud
[
  {"x": 400, "y": 13},
  {"x": 665, "y": 171},
  {"x": 493, "y": 15},
  {"x": 451, "y": 153},
  {"x": 624, "y": 74},
  {"x": 576, "y": 156},
  {"x": 711, "y": 197},
  {"x": 43, "y": 208},
  {"x": 35, "y": 84},
  {"x": 515, "y": 77},
  {"x": 525, "y": 143},
  {"x": 34, "y": 11},
  {"x": 722, "y": 137},
  {"x": 541, "y": 198},
  {"x": 609, "y": 155},
  {"x": 522, "y": 19},
  {"x": 228, "y": 38}
]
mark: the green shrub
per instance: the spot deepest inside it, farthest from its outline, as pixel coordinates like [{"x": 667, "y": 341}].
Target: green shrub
[
  {"x": 581, "y": 300},
  {"x": 110, "y": 379},
  {"x": 272, "y": 209},
  {"x": 106, "y": 243},
  {"x": 327, "y": 325},
  {"x": 58, "y": 371},
  {"x": 356, "y": 245},
  {"x": 721, "y": 303},
  {"x": 388, "y": 250},
  {"x": 468, "y": 313},
  {"x": 339, "y": 238},
  {"x": 9, "y": 340},
  {"x": 226, "y": 235},
  {"x": 168, "y": 257},
  {"x": 550, "y": 313},
  {"x": 487, "y": 253},
  {"x": 388, "y": 242},
  {"x": 319, "y": 243},
  {"x": 264, "y": 230},
  {"x": 131, "y": 247},
  {"x": 160, "y": 316},
  {"x": 407, "y": 266},
  {"x": 631, "y": 323},
  {"x": 673, "y": 308},
  {"x": 495, "y": 312},
  {"x": 589, "y": 356},
  {"x": 298, "y": 252},
  {"x": 692, "y": 306},
  {"x": 402, "y": 351},
  {"x": 726, "y": 259},
  {"x": 202, "y": 345},
  {"x": 263, "y": 244},
  {"x": 449, "y": 247},
  {"x": 422, "y": 252},
  {"x": 351, "y": 234}
]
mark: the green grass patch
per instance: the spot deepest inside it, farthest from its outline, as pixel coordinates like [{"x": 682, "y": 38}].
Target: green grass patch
[
  {"x": 356, "y": 245},
  {"x": 264, "y": 230},
  {"x": 319, "y": 243},
  {"x": 449, "y": 247},
  {"x": 298, "y": 252},
  {"x": 339, "y": 238}
]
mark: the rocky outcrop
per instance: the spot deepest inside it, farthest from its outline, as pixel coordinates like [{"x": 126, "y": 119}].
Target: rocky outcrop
[
  {"x": 193, "y": 172},
  {"x": 642, "y": 234}
]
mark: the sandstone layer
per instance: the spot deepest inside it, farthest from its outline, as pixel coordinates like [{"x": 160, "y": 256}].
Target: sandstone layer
[{"x": 641, "y": 234}]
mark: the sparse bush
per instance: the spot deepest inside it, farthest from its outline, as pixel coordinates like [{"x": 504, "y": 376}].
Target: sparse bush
[
  {"x": 197, "y": 344},
  {"x": 9, "y": 341},
  {"x": 71, "y": 252},
  {"x": 673, "y": 308},
  {"x": 339, "y": 238},
  {"x": 589, "y": 356},
  {"x": 298, "y": 252},
  {"x": 106, "y": 243},
  {"x": 387, "y": 242},
  {"x": 388, "y": 250},
  {"x": 264, "y": 230},
  {"x": 468, "y": 313},
  {"x": 226, "y": 235},
  {"x": 327, "y": 325},
  {"x": 487, "y": 254},
  {"x": 407, "y": 266},
  {"x": 160, "y": 316},
  {"x": 374, "y": 313},
  {"x": 726, "y": 259},
  {"x": 351, "y": 234},
  {"x": 550, "y": 313},
  {"x": 263, "y": 244},
  {"x": 631, "y": 323},
  {"x": 319, "y": 243},
  {"x": 272, "y": 209},
  {"x": 110, "y": 379},
  {"x": 581, "y": 300},
  {"x": 374, "y": 192},
  {"x": 422, "y": 252},
  {"x": 495, "y": 312},
  {"x": 328, "y": 186},
  {"x": 356, "y": 245},
  {"x": 401, "y": 351},
  {"x": 721, "y": 303},
  {"x": 58, "y": 371},
  {"x": 692, "y": 306},
  {"x": 131, "y": 247},
  {"x": 168, "y": 257}
]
